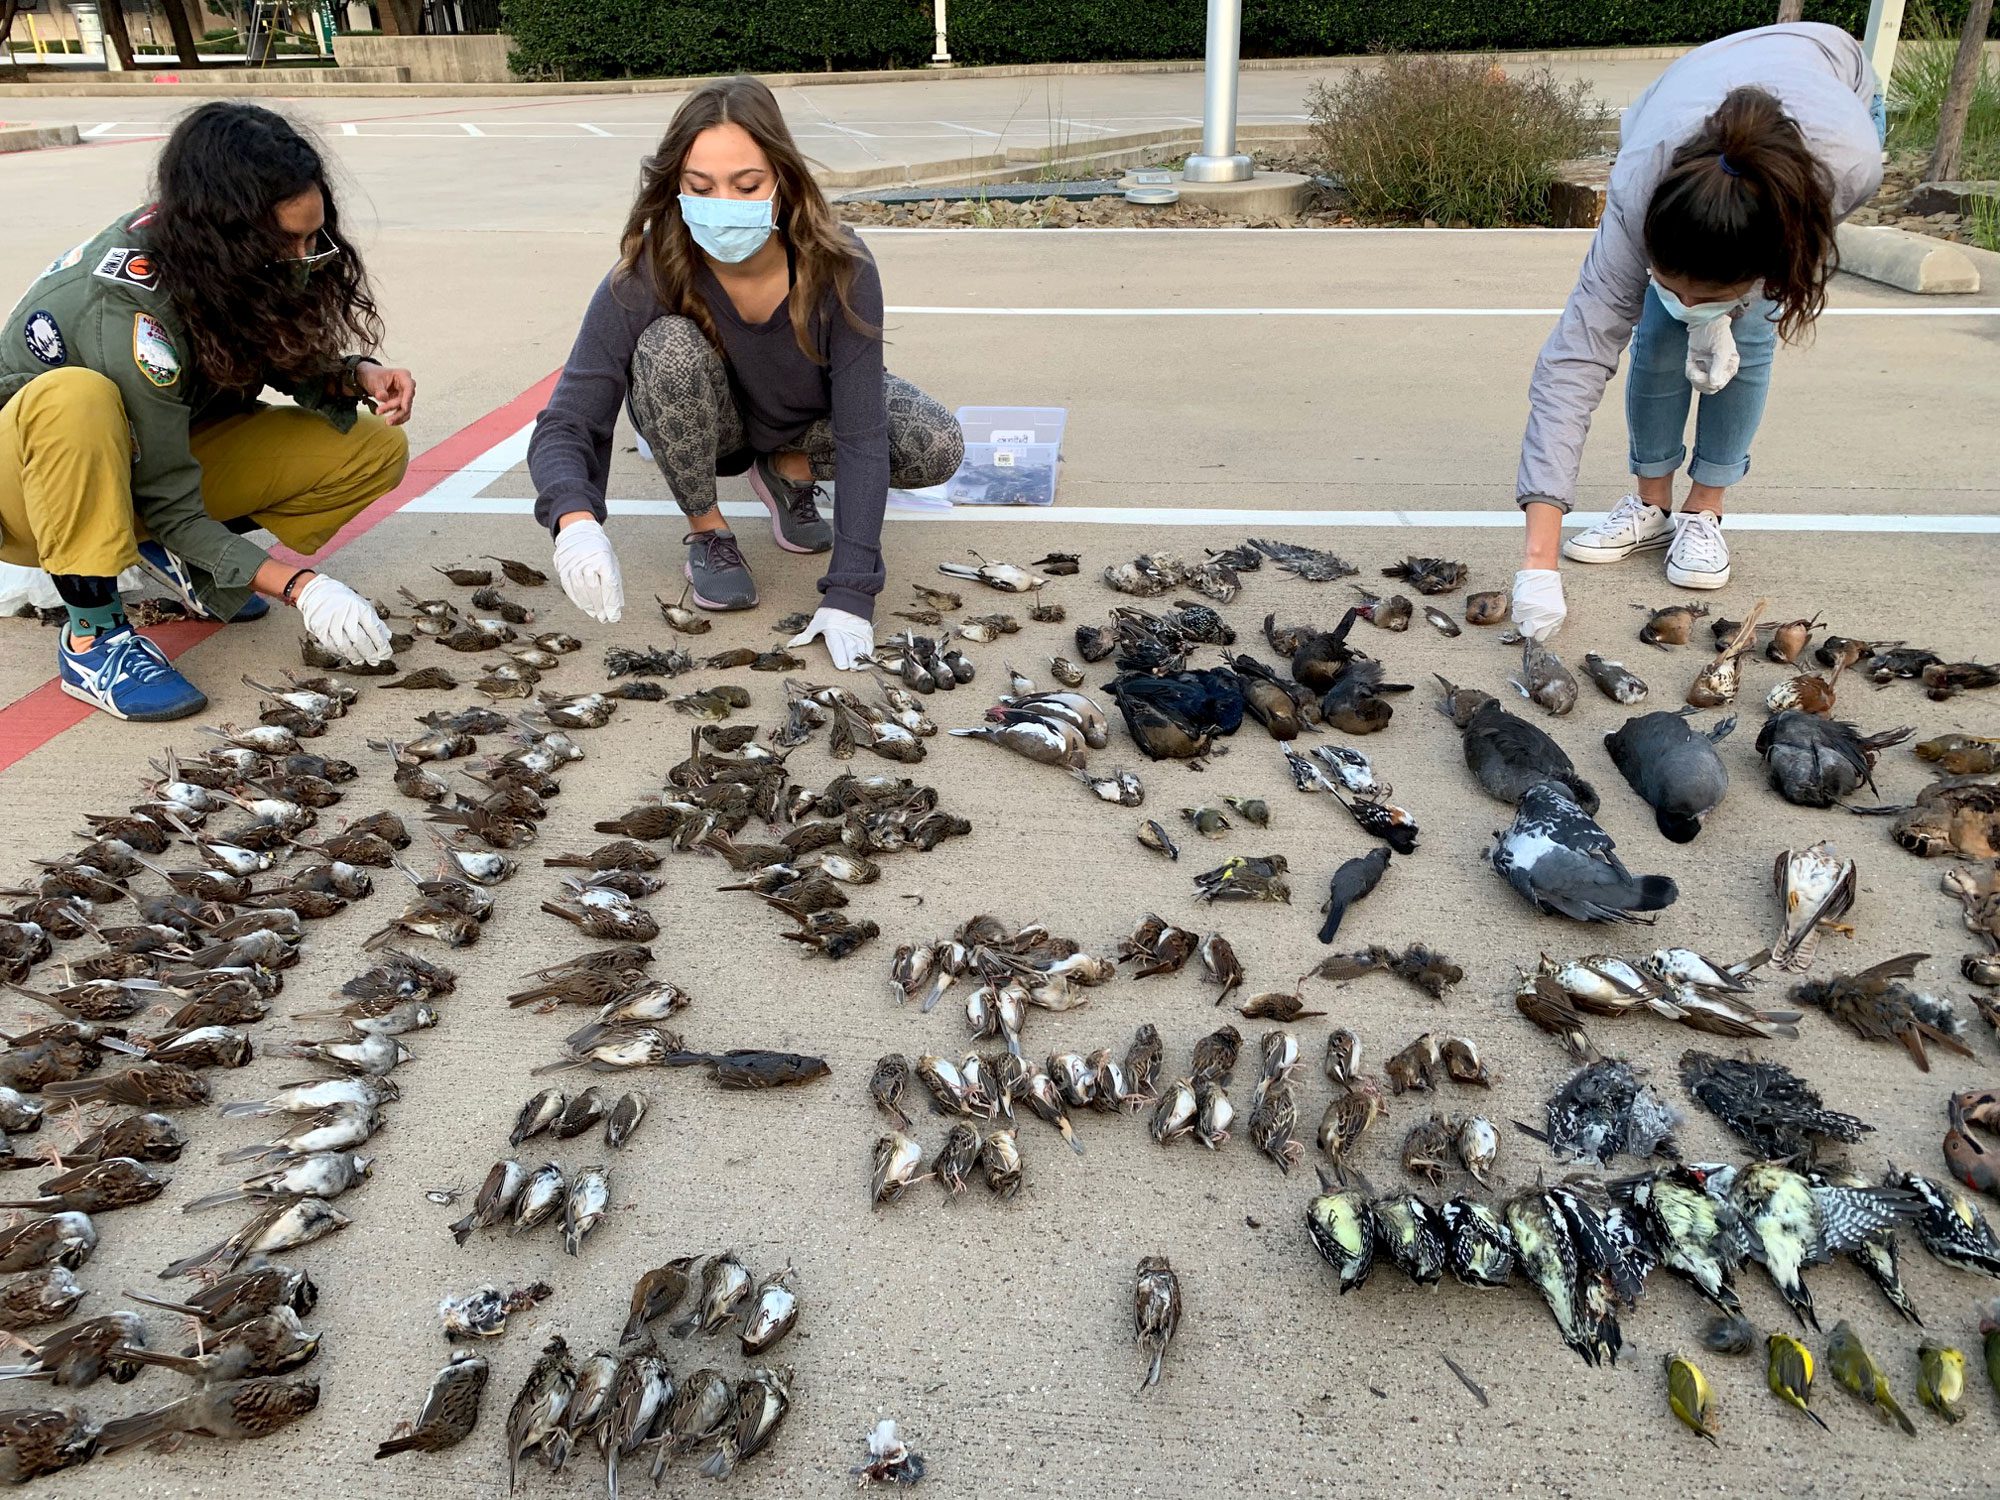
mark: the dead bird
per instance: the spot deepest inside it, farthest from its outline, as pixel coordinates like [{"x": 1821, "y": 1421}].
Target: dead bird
[
  {"x": 1443, "y": 623},
  {"x": 1672, "y": 626},
  {"x": 1308, "y": 563},
  {"x": 1946, "y": 680},
  {"x": 483, "y": 1313},
  {"x": 1961, "y": 754},
  {"x": 1815, "y": 762},
  {"x": 1507, "y": 754},
  {"x": 1415, "y": 1068},
  {"x": 1956, "y": 817},
  {"x": 755, "y": 1068},
  {"x": 1428, "y": 1149},
  {"x": 1353, "y": 881},
  {"x": 1156, "y": 1312},
  {"x": 519, "y": 572},
  {"x": 1487, "y": 608},
  {"x": 1428, "y": 575},
  {"x": 1562, "y": 862},
  {"x": 1675, "y": 770},
  {"x": 1545, "y": 680},
  {"x": 1816, "y": 888},
  {"x": 1155, "y": 836},
  {"x": 1773, "y": 1110},
  {"x": 1716, "y": 684},
  {"x": 1003, "y": 576},
  {"x": 1392, "y": 614},
  {"x": 1877, "y": 1005},
  {"x": 1219, "y": 962},
  {"x": 1385, "y": 821},
  {"x": 1613, "y": 679},
  {"x": 1602, "y": 1110}
]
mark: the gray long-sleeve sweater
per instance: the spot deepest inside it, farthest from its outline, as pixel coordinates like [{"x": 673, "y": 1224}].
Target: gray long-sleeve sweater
[
  {"x": 779, "y": 391},
  {"x": 1821, "y": 77}
]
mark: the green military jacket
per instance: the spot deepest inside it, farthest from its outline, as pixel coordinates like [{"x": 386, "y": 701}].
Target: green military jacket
[{"x": 101, "y": 306}]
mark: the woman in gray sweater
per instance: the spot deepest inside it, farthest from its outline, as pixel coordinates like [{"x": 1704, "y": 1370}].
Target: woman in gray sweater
[
  {"x": 742, "y": 328},
  {"x": 1717, "y": 240}
]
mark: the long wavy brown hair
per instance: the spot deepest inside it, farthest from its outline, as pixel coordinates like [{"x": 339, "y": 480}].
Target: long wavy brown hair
[
  {"x": 823, "y": 256},
  {"x": 218, "y": 184},
  {"x": 1745, "y": 199}
]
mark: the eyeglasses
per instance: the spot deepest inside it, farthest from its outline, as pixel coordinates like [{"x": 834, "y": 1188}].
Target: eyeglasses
[{"x": 324, "y": 250}]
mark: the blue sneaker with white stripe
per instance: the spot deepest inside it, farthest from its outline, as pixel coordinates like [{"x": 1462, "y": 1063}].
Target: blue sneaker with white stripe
[
  {"x": 128, "y": 677},
  {"x": 168, "y": 569}
]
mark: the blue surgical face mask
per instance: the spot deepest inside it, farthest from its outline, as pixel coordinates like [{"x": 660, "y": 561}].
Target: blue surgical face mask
[
  {"x": 1700, "y": 313},
  {"x": 730, "y": 229}
]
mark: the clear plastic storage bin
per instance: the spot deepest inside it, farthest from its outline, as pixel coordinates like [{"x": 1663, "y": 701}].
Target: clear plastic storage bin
[{"x": 1011, "y": 454}]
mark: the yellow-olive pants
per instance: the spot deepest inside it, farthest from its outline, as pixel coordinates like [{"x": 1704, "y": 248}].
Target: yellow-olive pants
[{"x": 66, "y": 474}]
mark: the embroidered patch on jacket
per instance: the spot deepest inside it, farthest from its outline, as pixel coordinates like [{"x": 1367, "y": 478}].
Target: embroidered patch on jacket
[
  {"x": 67, "y": 259},
  {"x": 153, "y": 351},
  {"x": 45, "y": 340},
  {"x": 133, "y": 267}
]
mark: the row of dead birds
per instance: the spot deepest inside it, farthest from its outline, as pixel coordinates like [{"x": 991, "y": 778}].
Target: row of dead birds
[
  {"x": 1588, "y": 1247},
  {"x": 1877, "y": 662},
  {"x": 986, "y": 1088},
  {"x": 627, "y": 1402}
]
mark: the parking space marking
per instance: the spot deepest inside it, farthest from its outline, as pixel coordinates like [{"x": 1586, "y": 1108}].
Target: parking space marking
[{"x": 1249, "y": 517}]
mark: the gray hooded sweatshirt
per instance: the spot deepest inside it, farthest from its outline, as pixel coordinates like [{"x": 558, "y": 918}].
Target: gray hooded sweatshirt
[{"x": 1821, "y": 77}]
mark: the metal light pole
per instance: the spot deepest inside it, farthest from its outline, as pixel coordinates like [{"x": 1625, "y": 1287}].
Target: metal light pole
[
  {"x": 942, "y": 56},
  {"x": 1885, "y": 26},
  {"x": 1219, "y": 160}
]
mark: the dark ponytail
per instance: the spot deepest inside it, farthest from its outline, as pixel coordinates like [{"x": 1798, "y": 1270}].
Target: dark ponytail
[{"x": 1745, "y": 199}]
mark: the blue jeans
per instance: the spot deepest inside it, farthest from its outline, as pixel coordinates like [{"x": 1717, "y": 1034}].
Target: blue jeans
[{"x": 1657, "y": 394}]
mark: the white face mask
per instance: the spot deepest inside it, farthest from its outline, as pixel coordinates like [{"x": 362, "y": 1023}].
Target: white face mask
[{"x": 1701, "y": 312}]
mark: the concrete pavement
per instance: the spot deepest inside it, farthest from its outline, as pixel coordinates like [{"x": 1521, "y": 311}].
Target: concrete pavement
[{"x": 999, "y": 1334}]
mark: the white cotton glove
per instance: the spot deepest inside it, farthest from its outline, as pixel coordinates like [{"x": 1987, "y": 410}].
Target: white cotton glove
[
  {"x": 1711, "y": 356},
  {"x": 1538, "y": 603},
  {"x": 588, "y": 569},
  {"x": 850, "y": 640},
  {"x": 342, "y": 621}
]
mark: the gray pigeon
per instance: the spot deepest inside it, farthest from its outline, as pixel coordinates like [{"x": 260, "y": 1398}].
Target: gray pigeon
[
  {"x": 1506, "y": 753},
  {"x": 1556, "y": 856},
  {"x": 1673, "y": 769},
  {"x": 1815, "y": 762}
]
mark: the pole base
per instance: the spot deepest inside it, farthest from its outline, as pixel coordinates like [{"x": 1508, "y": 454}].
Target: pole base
[{"x": 1238, "y": 168}]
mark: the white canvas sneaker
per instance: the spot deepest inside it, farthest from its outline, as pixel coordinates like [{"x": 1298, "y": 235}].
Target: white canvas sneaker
[
  {"x": 1699, "y": 557},
  {"x": 1632, "y": 526}
]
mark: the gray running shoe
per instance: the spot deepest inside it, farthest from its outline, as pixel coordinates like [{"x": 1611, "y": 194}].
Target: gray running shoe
[
  {"x": 715, "y": 569},
  {"x": 796, "y": 523}
]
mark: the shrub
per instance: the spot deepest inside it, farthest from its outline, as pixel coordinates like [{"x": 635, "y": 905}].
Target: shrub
[
  {"x": 1924, "y": 60},
  {"x": 1451, "y": 139}
]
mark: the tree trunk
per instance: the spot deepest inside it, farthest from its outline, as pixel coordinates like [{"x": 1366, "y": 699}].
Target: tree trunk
[
  {"x": 1790, "y": 11},
  {"x": 1945, "y": 159},
  {"x": 183, "y": 30},
  {"x": 113, "y": 13},
  {"x": 400, "y": 17}
]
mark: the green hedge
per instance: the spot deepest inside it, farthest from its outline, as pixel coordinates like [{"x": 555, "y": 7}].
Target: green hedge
[
  {"x": 649, "y": 38},
  {"x": 659, "y": 38}
]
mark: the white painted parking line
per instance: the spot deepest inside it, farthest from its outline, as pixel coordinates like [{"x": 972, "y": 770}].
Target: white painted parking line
[
  {"x": 592, "y": 129},
  {"x": 470, "y": 129},
  {"x": 449, "y": 499},
  {"x": 968, "y": 129},
  {"x": 97, "y": 130},
  {"x": 350, "y": 128}
]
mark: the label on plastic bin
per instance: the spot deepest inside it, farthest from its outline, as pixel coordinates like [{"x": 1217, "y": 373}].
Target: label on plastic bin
[
  {"x": 1023, "y": 436},
  {"x": 1003, "y": 458}
]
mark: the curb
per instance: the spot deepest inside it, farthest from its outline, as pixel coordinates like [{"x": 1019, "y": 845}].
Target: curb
[
  {"x": 216, "y": 89},
  {"x": 1912, "y": 262},
  {"x": 36, "y": 137}
]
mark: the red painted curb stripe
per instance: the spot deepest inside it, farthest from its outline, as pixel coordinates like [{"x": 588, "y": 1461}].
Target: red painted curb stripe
[{"x": 34, "y": 719}]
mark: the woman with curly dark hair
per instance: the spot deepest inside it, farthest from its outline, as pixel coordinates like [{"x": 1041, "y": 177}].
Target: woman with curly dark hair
[
  {"x": 1717, "y": 242},
  {"x": 742, "y": 329},
  {"x": 131, "y": 432}
]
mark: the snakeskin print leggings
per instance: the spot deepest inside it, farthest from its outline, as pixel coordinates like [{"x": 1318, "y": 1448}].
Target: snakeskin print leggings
[{"x": 683, "y": 407}]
